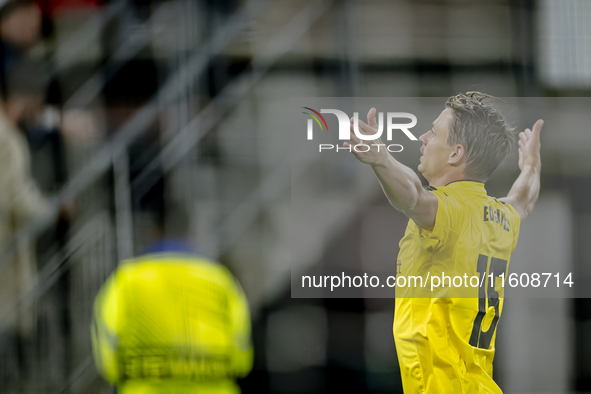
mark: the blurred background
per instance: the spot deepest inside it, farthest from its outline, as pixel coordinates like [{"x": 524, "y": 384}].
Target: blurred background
[{"x": 118, "y": 109}]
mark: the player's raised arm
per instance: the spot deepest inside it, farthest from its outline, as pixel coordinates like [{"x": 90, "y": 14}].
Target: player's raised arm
[
  {"x": 525, "y": 190},
  {"x": 400, "y": 184}
]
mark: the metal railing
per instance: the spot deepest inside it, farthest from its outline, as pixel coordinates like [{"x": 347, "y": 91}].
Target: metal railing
[
  {"x": 136, "y": 126},
  {"x": 114, "y": 156}
]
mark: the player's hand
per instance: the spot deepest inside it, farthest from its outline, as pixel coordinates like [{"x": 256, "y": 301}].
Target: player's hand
[
  {"x": 377, "y": 150},
  {"x": 529, "y": 147}
]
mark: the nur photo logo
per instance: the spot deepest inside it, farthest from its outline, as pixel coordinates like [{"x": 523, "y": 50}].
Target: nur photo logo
[{"x": 392, "y": 123}]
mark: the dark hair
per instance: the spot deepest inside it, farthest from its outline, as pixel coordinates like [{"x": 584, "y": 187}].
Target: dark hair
[{"x": 482, "y": 131}]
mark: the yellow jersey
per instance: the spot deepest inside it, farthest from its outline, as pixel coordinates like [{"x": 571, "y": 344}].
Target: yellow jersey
[
  {"x": 172, "y": 322},
  {"x": 445, "y": 335}
]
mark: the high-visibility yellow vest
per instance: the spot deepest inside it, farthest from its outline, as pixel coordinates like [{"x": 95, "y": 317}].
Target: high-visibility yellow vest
[{"x": 172, "y": 321}]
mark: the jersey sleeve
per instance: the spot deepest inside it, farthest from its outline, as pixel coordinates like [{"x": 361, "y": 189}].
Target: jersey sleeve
[
  {"x": 434, "y": 250},
  {"x": 449, "y": 217},
  {"x": 104, "y": 330}
]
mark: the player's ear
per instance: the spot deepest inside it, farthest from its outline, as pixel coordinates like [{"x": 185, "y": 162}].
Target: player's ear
[{"x": 457, "y": 155}]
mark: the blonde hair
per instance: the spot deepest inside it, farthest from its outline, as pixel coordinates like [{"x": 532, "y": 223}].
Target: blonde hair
[{"x": 482, "y": 131}]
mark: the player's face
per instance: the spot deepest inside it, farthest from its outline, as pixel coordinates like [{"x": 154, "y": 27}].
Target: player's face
[{"x": 435, "y": 150}]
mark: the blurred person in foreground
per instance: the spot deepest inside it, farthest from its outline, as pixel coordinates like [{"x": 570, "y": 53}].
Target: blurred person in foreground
[
  {"x": 171, "y": 320},
  {"x": 20, "y": 203},
  {"x": 445, "y": 338}
]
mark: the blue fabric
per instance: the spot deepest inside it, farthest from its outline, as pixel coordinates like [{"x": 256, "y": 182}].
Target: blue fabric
[{"x": 171, "y": 245}]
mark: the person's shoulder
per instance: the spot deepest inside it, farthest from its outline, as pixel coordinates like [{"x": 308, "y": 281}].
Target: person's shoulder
[
  {"x": 447, "y": 195},
  {"x": 450, "y": 213},
  {"x": 154, "y": 263},
  {"x": 12, "y": 142},
  {"x": 443, "y": 190},
  {"x": 7, "y": 134},
  {"x": 7, "y": 129}
]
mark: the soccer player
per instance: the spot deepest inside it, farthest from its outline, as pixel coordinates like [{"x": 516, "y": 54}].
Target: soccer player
[
  {"x": 172, "y": 321},
  {"x": 446, "y": 344}
]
